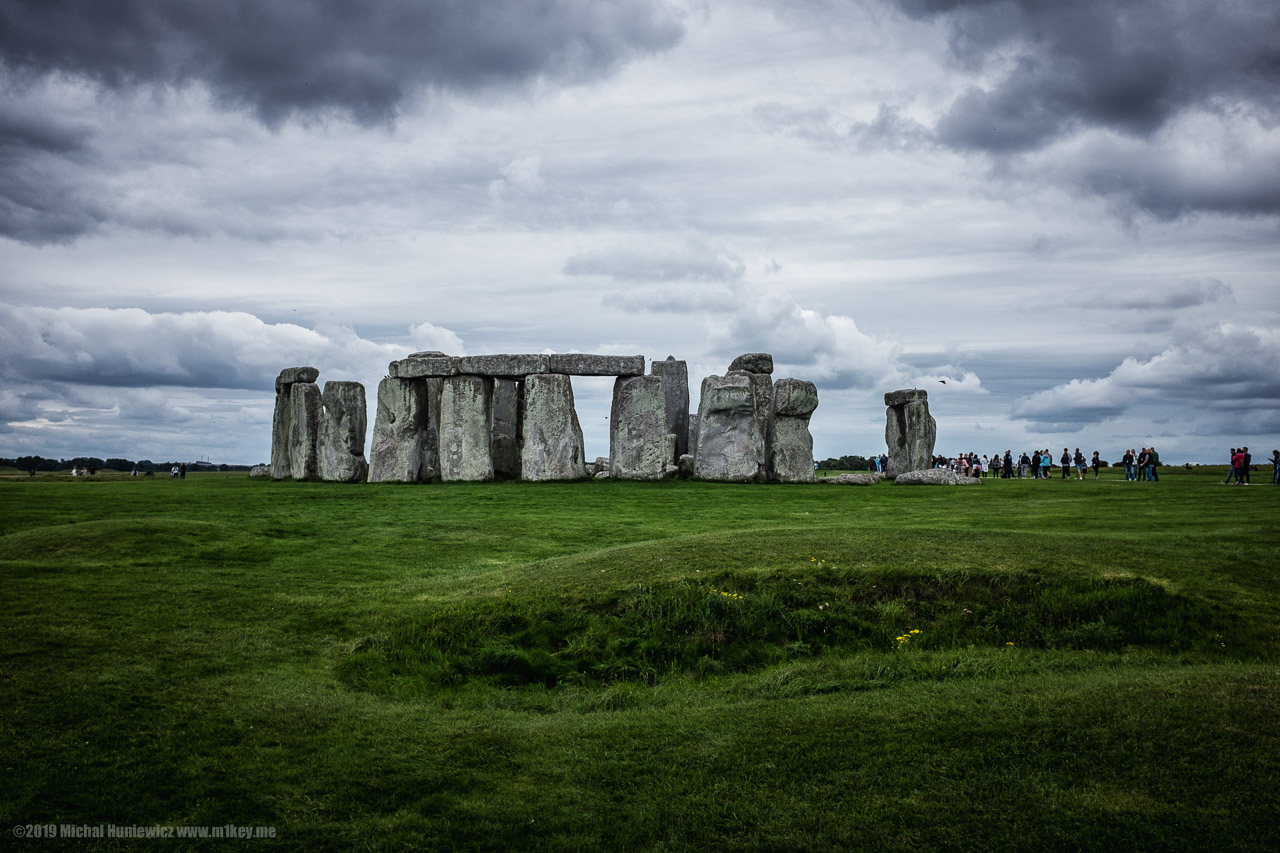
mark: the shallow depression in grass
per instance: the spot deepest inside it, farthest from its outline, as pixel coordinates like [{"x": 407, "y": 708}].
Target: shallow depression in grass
[{"x": 600, "y": 619}]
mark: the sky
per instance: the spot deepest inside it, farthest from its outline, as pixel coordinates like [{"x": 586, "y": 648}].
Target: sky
[{"x": 1062, "y": 220}]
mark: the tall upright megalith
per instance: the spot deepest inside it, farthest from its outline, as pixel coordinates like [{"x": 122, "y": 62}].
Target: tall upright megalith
[
  {"x": 466, "y": 428},
  {"x": 304, "y": 430},
  {"x": 638, "y": 446},
  {"x": 675, "y": 388},
  {"x": 281, "y": 420},
  {"x": 909, "y": 431},
  {"x": 791, "y": 447},
  {"x": 340, "y": 449},
  {"x": 731, "y": 433},
  {"x": 551, "y": 437},
  {"x": 403, "y": 448}
]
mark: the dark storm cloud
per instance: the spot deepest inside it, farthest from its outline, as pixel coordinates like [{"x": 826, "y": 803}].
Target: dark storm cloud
[
  {"x": 1127, "y": 66},
  {"x": 359, "y": 57},
  {"x": 278, "y": 59}
]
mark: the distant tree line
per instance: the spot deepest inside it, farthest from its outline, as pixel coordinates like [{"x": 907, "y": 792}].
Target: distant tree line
[
  {"x": 39, "y": 463},
  {"x": 846, "y": 463}
]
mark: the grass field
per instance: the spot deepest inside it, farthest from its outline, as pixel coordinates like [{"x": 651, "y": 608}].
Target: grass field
[{"x": 667, "y": 666}]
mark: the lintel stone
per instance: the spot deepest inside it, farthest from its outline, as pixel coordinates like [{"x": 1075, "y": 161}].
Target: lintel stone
[
  {"x": 908, "y": 395},
  {"x": 585, "y": 364},
  {"x": 293, "y": 375},
  {"x": 422, "y": 366},
  {"x": 503, "y": 365}
]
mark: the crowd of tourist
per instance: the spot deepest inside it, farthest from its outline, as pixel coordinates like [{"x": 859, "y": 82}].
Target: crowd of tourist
[
  {"x": 1039, "y": 464},
  {"x": 1138, "y": 465}
]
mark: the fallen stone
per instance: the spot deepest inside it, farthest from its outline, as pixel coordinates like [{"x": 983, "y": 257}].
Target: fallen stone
[
  {"x": 851, "y": 480},
  {"x": 340, "y": 449},
  {"x": 552, "y": 446},
  {"x": 403, "y": 449},
  {"x": 753, "y": 362},
  {"x": 585, "y": 364},
  {"x": 731, "y": 435},
  {"x": 304, "y": 430},
  {"x": 934, "y": 477},
  {"x": 675, "y": 388},
  {"x": 684, "y": 466},
  {"x": 638, "y": 429},
  {"x": 260, "y": 471},
  {"x": 466, "y": 428}
]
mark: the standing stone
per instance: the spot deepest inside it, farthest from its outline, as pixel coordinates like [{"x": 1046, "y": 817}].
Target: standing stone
[
  {"x": 342, "y": 427},
  {"x": 909, "y": 431},
  {"x": 281, "y": 428},
  {"x": 675, "y": 388},
  {"x": 505, "y": 444},
  {"x": 552, "y": 447},
  {"x": 638, "y": 429},
  {"x": 791, "y": 459},
  {"x": 304, "y": 430},
  {"x": 466, "y": 428},
  {"x": 403, "y": 450},
  {"x": 731, "y": 435}
]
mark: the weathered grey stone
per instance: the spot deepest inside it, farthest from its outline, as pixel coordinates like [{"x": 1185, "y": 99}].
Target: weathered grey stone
[
  {"x": 753, "y": 362},
  {"x": 684, "y": 465},
  {"x": 292, "y": 375},
  {"x": 851, "y": 480},
  {"x": 585, "y": 364},
  {"x": 935, "y": 477},
  {"x": 281, "y": 424},
  {"x": 304, "y": 430},
  {"x": 602, "y": 475},
  {"x": 505, "y": 444},
  {"x": 909, "y": 431},
  {"x": 901, "y": 398},
  {"x": 281, "y": 467},
  {"x": 340, "y": 449},
  {"x": 601, "y": 464},
  {"x": 693, "y": 434},
  {"x": 403, "y": 448},
  {"x": 670, "y": 471},
  {"x": 675, "y": 388},
  {"x": 794, "y": 398},
  {"x": 504, "y": 365},
  {"x": 731, "y": 434},
  {"x": 466, "y": 428},
  {"x": 552, "y": 447},
  {"x": 260, "y": 471},
  {"x": 419, "y": 366},
  {"x": 790, "y": 443},
  {"x": 638, "y": 429}
]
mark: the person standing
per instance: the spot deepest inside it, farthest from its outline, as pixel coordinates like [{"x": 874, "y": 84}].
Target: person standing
[
  {"x": 1237, "y": 460},
  {"x": 1275, "y": 468},
  {"x": 1231, "y": 468},
  {"x": 1078, "y": 458},
  {"x": 1127, "y": 460},
  {"x": 1244, "y": 467},
  {"x": 1153, "y": 465},
  {"x": 1065, "y": 459},
  {"x": 1095, "y": 463},
  {"x": 1143, "y": 459}
]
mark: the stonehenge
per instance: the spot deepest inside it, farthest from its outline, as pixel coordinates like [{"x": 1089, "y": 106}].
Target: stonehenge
[
  {"x": 512, "y": 416},
  {"x": 909, "y": 431}
]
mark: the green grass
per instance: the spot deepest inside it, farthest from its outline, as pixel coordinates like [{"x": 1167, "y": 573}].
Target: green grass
[{"x": 644, "y": 665}]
